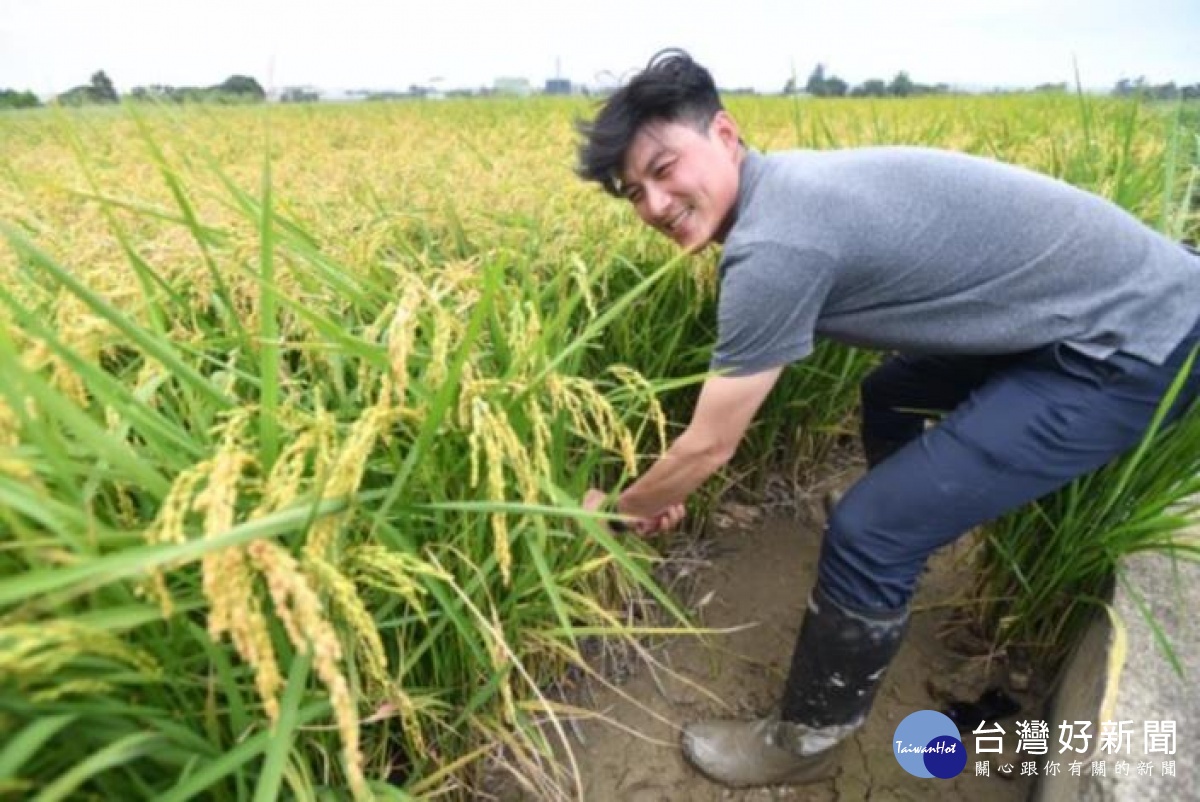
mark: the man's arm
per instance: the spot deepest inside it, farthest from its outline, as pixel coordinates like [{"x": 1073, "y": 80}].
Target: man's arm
[{"x": 723, "y": 413}]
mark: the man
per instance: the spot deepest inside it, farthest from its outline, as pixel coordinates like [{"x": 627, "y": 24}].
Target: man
[{"x": 1046, "y": 321}]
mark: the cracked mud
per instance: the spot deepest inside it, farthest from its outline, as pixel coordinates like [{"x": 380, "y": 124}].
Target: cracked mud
[{"x": 755, "y": 585}]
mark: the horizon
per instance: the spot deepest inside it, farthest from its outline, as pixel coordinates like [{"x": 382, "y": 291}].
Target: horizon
[{"x": 333, "y": 93}]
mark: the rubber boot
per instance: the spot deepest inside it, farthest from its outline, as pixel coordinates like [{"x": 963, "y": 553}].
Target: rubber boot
[{"x": 837, "y": 666}]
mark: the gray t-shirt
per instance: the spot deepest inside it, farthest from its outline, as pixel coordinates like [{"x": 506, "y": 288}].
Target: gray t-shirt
[{"x": 935, "y": 252}]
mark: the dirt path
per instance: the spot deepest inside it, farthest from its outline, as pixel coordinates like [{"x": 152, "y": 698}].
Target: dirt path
[{"x": 758, "y": 578}]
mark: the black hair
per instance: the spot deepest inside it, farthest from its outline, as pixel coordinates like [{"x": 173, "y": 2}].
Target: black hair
[{"x": 672, "y": 88}]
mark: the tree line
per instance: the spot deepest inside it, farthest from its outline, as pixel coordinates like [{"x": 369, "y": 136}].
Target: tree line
[
  {"x": 820, "y": 84},
  {"x": 1168, "y": 91},
  {"x": 244, "y": 89},
  {"x": 100, "y": 90}
]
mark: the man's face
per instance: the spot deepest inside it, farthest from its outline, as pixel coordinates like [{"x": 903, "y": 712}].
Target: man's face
[{"x": 684, "y": 182}]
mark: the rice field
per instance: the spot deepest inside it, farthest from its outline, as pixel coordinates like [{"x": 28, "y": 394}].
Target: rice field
[{"x": 297, "y": 404}]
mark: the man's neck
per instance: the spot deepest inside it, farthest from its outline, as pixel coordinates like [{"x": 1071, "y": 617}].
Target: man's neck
[{"x": 731, "y": 216}]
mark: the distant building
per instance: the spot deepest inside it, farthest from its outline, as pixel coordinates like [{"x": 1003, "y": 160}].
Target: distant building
[
  {"x": 518, "y": 87},
  {"x": 343, "y": 95},
  {"x": 558, "y": 86},
  {"x": 299, "y": 94}
]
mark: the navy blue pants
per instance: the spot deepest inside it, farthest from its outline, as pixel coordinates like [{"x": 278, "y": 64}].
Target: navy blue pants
[{"x": 1016, "y": 428}]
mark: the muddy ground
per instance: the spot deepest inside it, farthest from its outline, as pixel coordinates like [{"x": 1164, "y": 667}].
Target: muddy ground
[{"x": 749, "y": 577}]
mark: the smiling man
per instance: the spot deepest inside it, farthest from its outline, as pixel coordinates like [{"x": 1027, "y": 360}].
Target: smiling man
[
  {"x": 692, "y": 207},
  {"x": 1044, "y": 321}
]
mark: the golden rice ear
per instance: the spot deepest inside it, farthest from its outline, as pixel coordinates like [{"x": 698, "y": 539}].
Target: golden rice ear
[{"x": 311, "y": 632}]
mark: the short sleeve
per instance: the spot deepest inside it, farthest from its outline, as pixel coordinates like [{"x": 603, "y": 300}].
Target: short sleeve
[{"x": 770, "y": 298}]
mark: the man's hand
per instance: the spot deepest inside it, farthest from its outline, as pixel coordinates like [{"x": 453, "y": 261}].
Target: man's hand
[
  {"x": 593, "y": 501},
  {"x": 665, "y": 521}
]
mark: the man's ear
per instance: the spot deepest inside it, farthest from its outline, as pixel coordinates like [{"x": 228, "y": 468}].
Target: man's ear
[{"x": 725, "y": 129}]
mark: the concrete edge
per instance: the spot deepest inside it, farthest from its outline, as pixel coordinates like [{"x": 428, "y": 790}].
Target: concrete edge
[{"x": 1118, "y": 672}]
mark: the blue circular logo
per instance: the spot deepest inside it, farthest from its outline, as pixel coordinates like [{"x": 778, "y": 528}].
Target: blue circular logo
[{"x": 926, "y": 745}]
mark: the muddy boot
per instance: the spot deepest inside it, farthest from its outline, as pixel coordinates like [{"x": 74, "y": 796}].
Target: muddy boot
[
  {"x": 766, "y": 751},
  {"x": 837, "y": 666}
]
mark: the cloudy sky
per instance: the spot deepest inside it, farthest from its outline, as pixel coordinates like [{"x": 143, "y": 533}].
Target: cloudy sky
[{"x": 50, "y": 45}]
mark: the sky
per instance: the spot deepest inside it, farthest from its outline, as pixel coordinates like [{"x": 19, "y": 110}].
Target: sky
[{"x": 48, "y": 46}]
